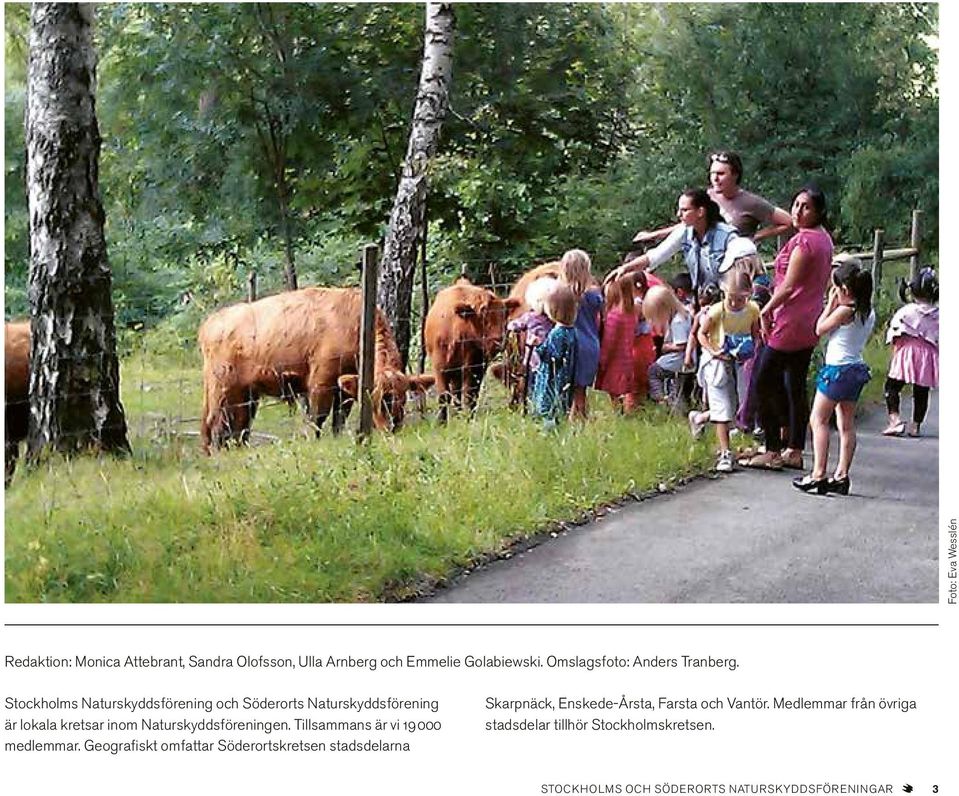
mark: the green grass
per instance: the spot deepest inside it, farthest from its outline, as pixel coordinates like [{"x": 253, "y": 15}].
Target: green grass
[{"x": 312, "y": 520}]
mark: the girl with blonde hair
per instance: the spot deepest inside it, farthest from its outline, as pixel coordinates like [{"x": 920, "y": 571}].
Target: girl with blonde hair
[
  {"x": 617, "y": 376},
  {"x": 574, "y": 272},
  {"x": 667, "y": 314}
]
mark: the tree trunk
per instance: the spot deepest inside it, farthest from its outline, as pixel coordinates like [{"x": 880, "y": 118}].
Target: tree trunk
[
  {"x": 408, "y": 218},
  {"x": 74, "y": 373}
]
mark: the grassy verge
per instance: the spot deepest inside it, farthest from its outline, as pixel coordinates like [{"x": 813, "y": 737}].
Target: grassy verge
[{"x": 321, "y": 520}]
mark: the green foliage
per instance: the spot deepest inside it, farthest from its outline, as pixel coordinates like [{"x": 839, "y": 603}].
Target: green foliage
[
  {"x": 16, "y": 233},
  {"x": 881, "y": 187},
  {"x": 226, "y": 125}
]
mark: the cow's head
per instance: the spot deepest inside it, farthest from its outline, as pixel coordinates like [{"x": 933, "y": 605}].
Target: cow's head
[
  {"x": 390, "y": 388},
  {"x": 488, "y": 315}
]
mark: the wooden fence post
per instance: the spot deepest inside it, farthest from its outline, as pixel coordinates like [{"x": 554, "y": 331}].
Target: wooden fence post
[
  {"x": 877, "y": 250},
  {"x": 914, "y": 243},
  {"x": 251, "y": 286},
  {"x": 425, "y": 294},
  {"x": 367, "y": 339}
]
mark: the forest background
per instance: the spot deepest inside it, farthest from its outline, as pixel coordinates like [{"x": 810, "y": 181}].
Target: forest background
[{"x": 232, "y": 130}]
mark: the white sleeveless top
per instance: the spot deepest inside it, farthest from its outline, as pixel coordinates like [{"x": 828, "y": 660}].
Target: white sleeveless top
[{"x": 847, "y": 342}]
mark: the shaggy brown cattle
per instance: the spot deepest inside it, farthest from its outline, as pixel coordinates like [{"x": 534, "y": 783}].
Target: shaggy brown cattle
[
  {"x": 301, "y": 343},
  {"x": 518, "y": 291},
  {"x": 464, "y": 331},
  {"x": 16, "y": 352},
  {"x": 512, "y": 370}
]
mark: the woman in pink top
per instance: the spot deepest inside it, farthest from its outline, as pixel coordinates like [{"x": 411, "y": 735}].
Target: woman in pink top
[{"x": 788, "y": 322}]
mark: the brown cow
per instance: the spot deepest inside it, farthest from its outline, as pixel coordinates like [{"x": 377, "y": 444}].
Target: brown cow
[
  {"x": 512, "y": 370},
  {"x": 301, "y": 343},
  {"x": 518, "y": 292},
  {"x": 16, "y": 352},
  {"x": 464, "y": 331}
]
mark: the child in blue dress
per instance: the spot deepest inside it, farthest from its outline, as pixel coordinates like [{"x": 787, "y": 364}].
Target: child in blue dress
[
  {"x": 553, "y": 386},
  {"x": 574, "y": 272}
]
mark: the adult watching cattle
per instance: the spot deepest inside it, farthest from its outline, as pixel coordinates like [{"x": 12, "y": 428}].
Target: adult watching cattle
[
  {"x": 744, "y": 210},
  {"x": 463, "y": 332},
  {"x": 700, "y": 236},
  {"x": 788, "y": 321},
  {"x": 751, "y": 215},
  {"x": 303, "y": 342}
]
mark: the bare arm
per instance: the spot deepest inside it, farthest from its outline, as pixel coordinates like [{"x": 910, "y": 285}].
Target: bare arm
[
  {"x": 780, "y": 221},
  {"x": 834, "y": 314},
  {"x": 654, "y": 257},
  {"x": 640, "y": 263},
  {"x": 691, "y": 343},
  {"x": 798, "y": 262},
  {"x": 704, "y": 340},
  {"x": 646, "y": 236}
]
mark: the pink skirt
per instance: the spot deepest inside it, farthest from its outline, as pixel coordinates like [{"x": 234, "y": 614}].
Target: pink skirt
[{"x": 914, "y": 361}]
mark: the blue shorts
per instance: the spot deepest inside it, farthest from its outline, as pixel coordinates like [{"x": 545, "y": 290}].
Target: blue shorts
[{"x": 842, "y": 382}]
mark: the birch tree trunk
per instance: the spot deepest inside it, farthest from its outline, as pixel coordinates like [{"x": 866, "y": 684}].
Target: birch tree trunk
[
  {"x": 74, "y": 373},
  {"x": 407, "y": 220}
]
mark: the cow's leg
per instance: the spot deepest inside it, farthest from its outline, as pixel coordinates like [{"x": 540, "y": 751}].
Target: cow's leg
[
  {"x": 11, "y": 453},
  {"x": 214, "y": 425},
  {"x": 474, "y": 378},
  {"x": 443, "y": 390},
  {"x": 238, "y": 415},
  {"x": 342, "y": 404},
  {"x": 467, "y": 387},
  {"x": 320, "y": 398},
  {"x": 17, "y": 418},
  {"x": 244, "y": 417},
  {"x": 206, "y": 421}
]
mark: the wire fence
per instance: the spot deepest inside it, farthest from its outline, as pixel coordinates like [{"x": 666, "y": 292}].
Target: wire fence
[{"x": 280, "y": 369}]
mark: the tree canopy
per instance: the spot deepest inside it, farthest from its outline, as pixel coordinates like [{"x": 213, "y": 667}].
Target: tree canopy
[{"x": 237, "y": 135}]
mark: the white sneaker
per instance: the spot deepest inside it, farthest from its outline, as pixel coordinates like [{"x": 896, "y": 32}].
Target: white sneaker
[
  {"x": 725, "y": 462},
  {"x": 696, "y": 424}
]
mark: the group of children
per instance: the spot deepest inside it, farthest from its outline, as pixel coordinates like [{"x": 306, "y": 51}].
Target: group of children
[{"x": 638, "y": 337}]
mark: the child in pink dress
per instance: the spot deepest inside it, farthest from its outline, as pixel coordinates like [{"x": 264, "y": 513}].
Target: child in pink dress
[
  {"x": 617, "y": 374},
  {"x": 914, "y": 334}
]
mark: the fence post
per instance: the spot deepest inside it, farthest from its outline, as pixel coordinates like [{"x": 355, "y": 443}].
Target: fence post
[
  {"x": 877, "y": 249},
  {"x": 251, "y": 286},
  {"x": 367, "y": 338},
  {"x": 425, "y": 294},
  {"x": 914, "y": 243}
]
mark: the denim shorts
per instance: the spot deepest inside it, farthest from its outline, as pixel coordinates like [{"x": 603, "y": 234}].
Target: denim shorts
[{"x": 843, "y": 382}]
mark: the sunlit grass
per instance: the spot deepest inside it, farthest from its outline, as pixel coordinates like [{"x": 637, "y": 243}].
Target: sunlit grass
[{"x": 315, "y": 520}]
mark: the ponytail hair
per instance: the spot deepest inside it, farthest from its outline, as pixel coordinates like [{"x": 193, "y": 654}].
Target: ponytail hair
[
  {"x": 700, "y": 198},
  {"x": 851, "y": 275},
  {"x": 924, "y": 287}
]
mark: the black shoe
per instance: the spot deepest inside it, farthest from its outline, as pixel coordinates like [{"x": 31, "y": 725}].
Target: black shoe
[
  {"x": 809, "y": 484},
  {"x": 839, "y": 486}
]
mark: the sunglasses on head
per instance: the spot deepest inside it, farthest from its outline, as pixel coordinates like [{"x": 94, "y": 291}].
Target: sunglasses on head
[{"x": 719, "y": 157}]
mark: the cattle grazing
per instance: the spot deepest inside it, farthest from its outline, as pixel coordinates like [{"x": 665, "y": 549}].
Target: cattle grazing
[
  {"x": 464, "y": 331},
  {"x": 16, "y": 351},
  {"x": 518, "y": 291},
  {"x": 512, "y": 370},
  {"x": 300, "y": 343}
]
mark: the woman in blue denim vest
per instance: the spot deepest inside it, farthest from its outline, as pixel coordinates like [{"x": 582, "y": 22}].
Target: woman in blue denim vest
[{"x": 701, "y": 238}]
